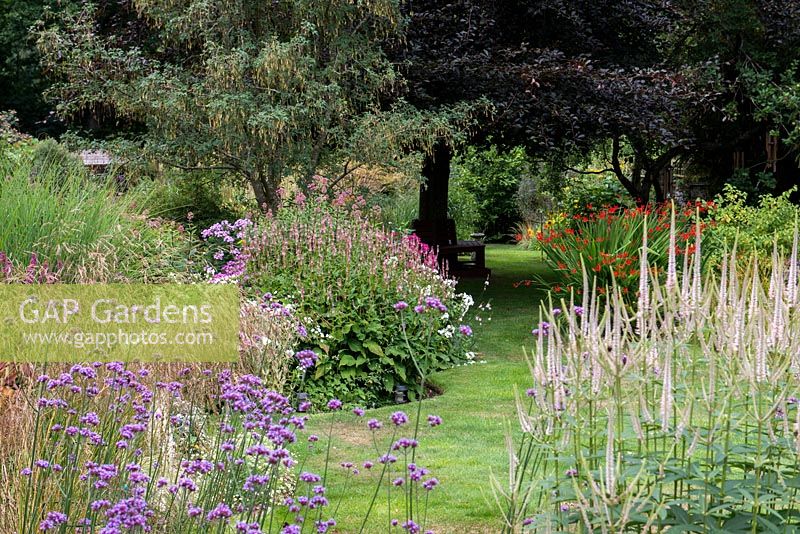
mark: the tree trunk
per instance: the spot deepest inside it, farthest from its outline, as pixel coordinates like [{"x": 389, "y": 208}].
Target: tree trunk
[
  {"x": 433, "y": 191},
  {"x": 265, "y": 189}
]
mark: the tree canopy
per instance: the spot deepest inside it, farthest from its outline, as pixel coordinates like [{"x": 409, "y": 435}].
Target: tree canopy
[
  {"x": 258, "y": 89},
  {"x": 642, "y": 82},
  {"x": 266, "y": 90}
]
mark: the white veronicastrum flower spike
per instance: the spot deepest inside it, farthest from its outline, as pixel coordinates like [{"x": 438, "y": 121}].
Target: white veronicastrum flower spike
[
  {"x": 672, "y": 268},
  {"x": 643, "y": 305},
  {"x": 666, "y": 393},
  {"x": 791, "y": 283}
]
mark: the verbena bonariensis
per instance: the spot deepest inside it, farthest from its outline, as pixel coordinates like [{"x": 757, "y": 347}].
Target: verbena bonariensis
[
  {"x": 682, "y": 413},
  {"x": 339, "y": 273},
  {"x": 110, "y": 453}
]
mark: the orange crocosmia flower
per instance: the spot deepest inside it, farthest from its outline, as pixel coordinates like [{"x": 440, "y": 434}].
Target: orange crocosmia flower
[
  {"x": 527, "y": 283},
  {"x": 562, "y": 265},
  {"x": 597, "y": 268}
]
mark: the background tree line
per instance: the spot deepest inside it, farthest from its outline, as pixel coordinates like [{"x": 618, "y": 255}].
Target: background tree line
[{"x": 262, "y": 91}]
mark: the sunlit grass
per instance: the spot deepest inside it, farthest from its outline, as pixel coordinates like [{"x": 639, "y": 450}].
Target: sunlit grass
[{"x": 476, "y": 404}]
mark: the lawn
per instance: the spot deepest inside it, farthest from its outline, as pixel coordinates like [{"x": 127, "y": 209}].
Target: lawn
[{"x": 477, "y": 405}]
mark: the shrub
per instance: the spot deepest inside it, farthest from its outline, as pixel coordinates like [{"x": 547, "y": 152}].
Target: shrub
[
  {"x": 195, "y": 199},
  {"x": 755, "y": 229},
  {"x": 586, "y": 195},
  {"x": 341, "y": 274},
  {"x": 534, "y": 200},
  {"x": 607, "y": 242},
  {"x": 398, "y": 208},
  {"x": 493, "y": 176},
  {"x": 462, "y": 207},
  {"x": 682, "y": 416}
]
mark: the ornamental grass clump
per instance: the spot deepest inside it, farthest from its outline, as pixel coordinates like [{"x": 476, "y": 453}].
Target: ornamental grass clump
[
  {"x": 682, "y": 413},
  {"x": 339, "y": 273},
  {"x": 80, "y": 226}
]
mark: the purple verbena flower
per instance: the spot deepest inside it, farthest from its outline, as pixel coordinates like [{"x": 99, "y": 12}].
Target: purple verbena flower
[
  {"x": 399, "y": 418},
  {"x": 306, "y": 358},
  {"x": 434, "y": 420}
]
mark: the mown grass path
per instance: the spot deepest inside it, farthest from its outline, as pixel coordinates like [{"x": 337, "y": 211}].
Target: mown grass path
[{"x": 477, "y": 406}]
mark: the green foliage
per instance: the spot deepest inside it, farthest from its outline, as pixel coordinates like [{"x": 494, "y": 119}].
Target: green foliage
[
  {"x": 776, "y": 95},
  {"x": 493, "y": 177},
  {"x": 535, "y": 199},
  {"x": 755, "y": 229},
  {"x": 463, "y": 208},
  {"x": 258, "y": 90},
  {"x": 400, "y": 205},
  {"x": 341, "y": 275},
  {"x": 53, "y": 208},
  {"x": 753, "y": 185},
  {"x": 585, "y": 194},
  {"x": 398, "y": 208},
  {"x": 22, "y": 80},
  {"x": 608, "y": 244},
  {"x": 195, "y": 199}
]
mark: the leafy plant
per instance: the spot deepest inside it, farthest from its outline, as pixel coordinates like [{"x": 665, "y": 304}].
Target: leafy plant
[
  {"x": 463, "y": 208},
  {"x": 493, "y": 177},
  {"x": 678, "y": 416},
  {"x": 341, "y": 274},
  {"x": 754, "y": 229},
  {"x": 79, "y": 225},
  {"x": 606, "y": 243}
]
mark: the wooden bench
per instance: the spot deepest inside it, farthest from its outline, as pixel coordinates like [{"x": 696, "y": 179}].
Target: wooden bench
[{"x": 461, "y": 258}]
